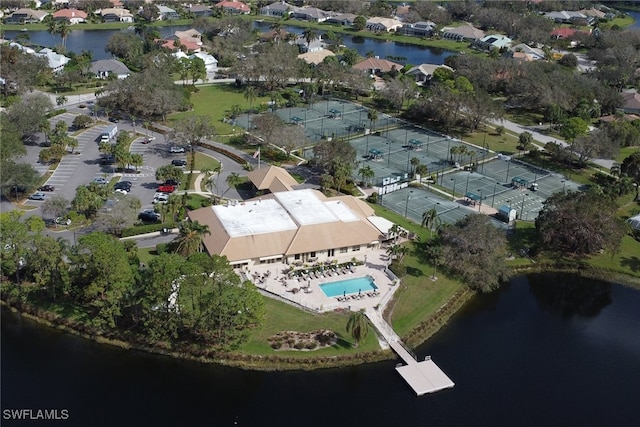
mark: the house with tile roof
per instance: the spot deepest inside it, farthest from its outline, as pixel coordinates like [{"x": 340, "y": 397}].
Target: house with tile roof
[
  {"x": 423, "y": 73},
  {"x": 166, "y": 13},
  {"x": 114, "y": 14},
  {"x": 464, "y": 32},
  {"x": 272, "y": 179},
  {"x": 26, "y": 16},
  {"x": 343, "y": 19},
  {"x": 72, "y": 16},
  {"x": 198, "y": 10},
  {"x": 104, "y": 68},
  {"x": 376, "y": 65},
  {"x": 491, "y": 42},
  {"x": 419, "y": 29},
  {"x": 524, "y": 52},
  {"x": 233, "y": 7},
  {"x": 278, "y": 9},
  {"x": 631, "y": 102},
  {"x": 316, "y": 57},
  {"x": 311, "y": 14},
  {"x": 55, "y": 60},
  {"x": 383, "y": 25}
]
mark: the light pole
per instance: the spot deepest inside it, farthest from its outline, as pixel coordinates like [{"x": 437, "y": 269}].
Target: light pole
[
  {"x": 408, "y": 161},
  {"x": 493, "y": 197},
  {"x": 522, "y": 206},
  {"x": 453, "y": 194},
  {"x": 564, "y": 182},
  {"x": 508, "y": 164},
  {"x": 406, "y": 206},
  {"x": 466, "y": 187},
  {"x": 480, "y": 206}
]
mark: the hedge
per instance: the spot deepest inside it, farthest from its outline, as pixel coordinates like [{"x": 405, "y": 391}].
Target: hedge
[
  {"x": 227, "y": 153},
  {"x": 147, "y": 228}
]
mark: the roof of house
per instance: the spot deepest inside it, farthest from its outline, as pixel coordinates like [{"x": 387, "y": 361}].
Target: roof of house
[
  {"x": 614, "y": 118},
  {"x": 465, "y": 30},
  {"x": 199, "y": 8},
  {"x": 70, "y": 13},
  {"x": 109, "y": 65},
  {"x": 193, "y": 33},
  {"x": 316, "y": 56},
  {"x": 386, "y": 22},
  {"x": 54, "y": 60},
  {"x": 427, "y": 69},
  {"x": 631, "y": 100},
  {"x": 593, "y": 12},
  {"x": 281, "y": 5},
  {"x": 286, "y": 223},
  {"x": 272, "y": 178},
  {"x": 312, "y": 12},
  {"x": 39, "y": 14},
  {"x": 271, "y": 34},
  {"x": 116, "y": 11},
  {"x": 564, "y": 32},
  {"x": 164, "y": 9},
  {"x": 377, "y": 64},
  {"x": 233, "y": 4}
]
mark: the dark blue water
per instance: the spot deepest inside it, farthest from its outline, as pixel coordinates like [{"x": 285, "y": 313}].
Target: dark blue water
[
  {"x": 636, "y": 16},
  {"x": 545, "y": 351},
  {"x": 96, "y": 40}
]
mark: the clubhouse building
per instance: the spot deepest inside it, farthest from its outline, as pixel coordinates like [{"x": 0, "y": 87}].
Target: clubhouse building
[{"x": 291, "y": 226}]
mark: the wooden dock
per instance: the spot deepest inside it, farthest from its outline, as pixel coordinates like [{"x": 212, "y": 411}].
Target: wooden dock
[{"x": 423, "y": 377}]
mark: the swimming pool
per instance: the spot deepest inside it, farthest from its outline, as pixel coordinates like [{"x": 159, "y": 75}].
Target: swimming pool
[{"x": 346, "y": 287}]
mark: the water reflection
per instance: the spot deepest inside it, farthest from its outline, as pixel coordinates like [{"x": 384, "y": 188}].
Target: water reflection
[{"x": 563, "y": 295}]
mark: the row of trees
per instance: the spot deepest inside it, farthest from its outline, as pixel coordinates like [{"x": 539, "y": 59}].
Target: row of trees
[{"x": 172, "y": 299}]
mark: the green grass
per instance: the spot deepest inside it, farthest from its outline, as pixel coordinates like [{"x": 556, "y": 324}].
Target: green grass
[
  {"x": 203, "y": 161},
  {"x": 626, "y": 152},
  {"x": 623, "y": 22},
  {"x": 216, "y": 102},
  {"x": 284, "y": 317},
  {"x": 145, "y": 255},
  {"x": 626, "y": 260}
]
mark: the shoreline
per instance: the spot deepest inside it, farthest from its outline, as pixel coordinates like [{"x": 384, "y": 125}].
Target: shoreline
[{"x": 417, "y": 336}]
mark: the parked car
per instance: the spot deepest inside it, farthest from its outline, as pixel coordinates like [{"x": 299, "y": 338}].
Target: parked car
[
  {"x": 114, "y": 120},
  {"x": 161, "y": 198},
  {"x": 38, "y": 196},
  {"x": 149, "y": 215},
  {"x": 171, "y": 182},
  {"x": 121, "y": 191},
  {"x": 164, "y": 188},
  {"x": 175, "y": 149},
  {"x": 47, "y": 188},
  {"x": 146, "y": 141},
  {"x": 100, "y": 181},
  {"x": 178, "y": 162},
  {"x": 107, "y": 160},
  {"x": 104, "y": 138},
  {"x": 123, "y": 185}
]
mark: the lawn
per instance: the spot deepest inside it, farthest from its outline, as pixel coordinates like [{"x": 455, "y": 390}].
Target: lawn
[
  {"x": 626, "y": 260},
  {"x": 203, "y": 161},
  {"x": 626, "y": 152},
  {"x": 283, "y": 317},
  {"x": 217, "y": 101}
]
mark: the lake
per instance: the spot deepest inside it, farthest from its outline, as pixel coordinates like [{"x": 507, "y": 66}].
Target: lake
[
  {"x": 96, "y": 40},
  {"x": 547, "y": 350}
]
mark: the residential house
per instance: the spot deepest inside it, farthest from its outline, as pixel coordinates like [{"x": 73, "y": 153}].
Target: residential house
[
  {"x": 631, "y": 102},
  {"x": 72, "y": 16},
  {"x": 464, "y": 32},
  {"x": 343, "y": 19},
  {"x": 491, "y": 42},
  {"x": 316, "y": 57},
  {"x": 311, "y": 14},
  {"x": 313, "y": 46},
  {"x": 233, "y": 7},
  {"x": 113, "y": 14},
  {"x": 55, "y": 60},
  {"x": 423, "y": 73},
  {"x": 191, "y": 35},
  {"x": 376, "y": 65},
  {"x": 167, "y": 14},
  {"x": 289, "y": 226},
  {"x": 175, "y": 44},
  {"x": 210, "y": 63},
  {"x": 200, "y": 10},
  {"x": 403, "y": 12},
  {"x": 278, "y": 9},
  {"x": 570, "y": 17},
  {"x": 525, "y": 52},
  {"x": 104, "y": 68},
  {"x": 377, "y": 24},
  {"x": 420, "y": 29},
  {"x": 26, "y": 16},
  {"x": 594, "y": 13},
  {"x": 274, "y": 36}
]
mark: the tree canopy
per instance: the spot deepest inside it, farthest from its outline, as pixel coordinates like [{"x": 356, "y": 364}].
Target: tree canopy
[{"x": 579, "y": 223}]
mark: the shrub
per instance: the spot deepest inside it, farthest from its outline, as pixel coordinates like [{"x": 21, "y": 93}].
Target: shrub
[
  {"x": 147, "y": 228},
  {"x": 162, "y": 248},
  {"x": 373, "y": 198}
]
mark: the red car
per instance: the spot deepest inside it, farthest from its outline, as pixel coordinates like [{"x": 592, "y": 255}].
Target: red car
[
  {"x": 47, "y": 188},
  {"x": 166, "y": 188}
]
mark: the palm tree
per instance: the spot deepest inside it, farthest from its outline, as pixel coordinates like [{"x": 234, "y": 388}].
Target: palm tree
[
  {"x": 250, "y": 95},
  {"x": 421, "y": 170},
  {"x": 73, "y": 143},
  {"x": 358, "y": 326},
  {"x": 367, "y": 174},
  {"x": 431, "y": 220},
  {"x": 414, "y": 164},
  {"x": 190, "y": 237},
  {"x": 309, "y": 35},
  {"x": 396, "y": 231},
  {"x": 372, "y": 115},
  {"x": 174, "y": 205},
  {"x": 136, "y": 160},
  {"x": 232, "y": 181}
]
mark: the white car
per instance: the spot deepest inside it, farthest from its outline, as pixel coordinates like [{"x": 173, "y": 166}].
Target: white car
[
  {"x": 121, "y": 191},
  {"x": 100, "y": 181},
  {"x": 175, "y": 149},
  {"x": 161, "y": 198}
]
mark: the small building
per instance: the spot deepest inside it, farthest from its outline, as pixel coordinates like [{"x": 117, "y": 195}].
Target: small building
[
  {"x": 631, "y": 102},
  {"x": 343, "y": 19},
  {"x": 72, "y": 16},
  {"x": 311, "y": 14},
  {"x": 423, "y": 73},
  {"x": 104, "y": 68},
  {"x": 507, "y": 214}
]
